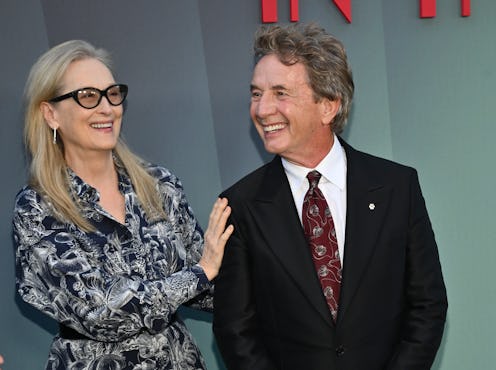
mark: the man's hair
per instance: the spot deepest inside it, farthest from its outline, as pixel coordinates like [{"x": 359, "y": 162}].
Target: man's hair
[{"x": 323, "y": 56}]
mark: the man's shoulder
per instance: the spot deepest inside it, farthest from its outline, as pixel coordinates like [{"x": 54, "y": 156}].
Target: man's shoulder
[{"x": 371, "y": 163}]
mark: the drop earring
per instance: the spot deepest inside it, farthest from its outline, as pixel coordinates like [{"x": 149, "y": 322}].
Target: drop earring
[{"x": 55, "y": 136}]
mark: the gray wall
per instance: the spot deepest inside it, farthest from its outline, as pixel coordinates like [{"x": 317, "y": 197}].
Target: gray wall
[{"x": 424, "y": 97}]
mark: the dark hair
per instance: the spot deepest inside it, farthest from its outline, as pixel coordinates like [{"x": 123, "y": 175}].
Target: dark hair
[{"x": 323, "y": 56}]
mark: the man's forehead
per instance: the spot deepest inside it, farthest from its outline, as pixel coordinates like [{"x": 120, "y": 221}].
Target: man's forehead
[{"x": 272, "y": 73}]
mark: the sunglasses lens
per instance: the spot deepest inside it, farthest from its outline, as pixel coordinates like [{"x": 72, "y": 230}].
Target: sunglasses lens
[
  {"x": 88, "y": 98},
  {"x": 116, "y": 94}
]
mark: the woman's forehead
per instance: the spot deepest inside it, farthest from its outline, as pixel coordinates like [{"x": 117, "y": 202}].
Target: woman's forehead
[{"x": 88, "y": 72}]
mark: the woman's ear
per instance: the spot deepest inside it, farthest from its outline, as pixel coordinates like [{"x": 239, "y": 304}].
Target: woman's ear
[
  {"x": 49, "y": 114},
  {"x": 329, "y": 109}
]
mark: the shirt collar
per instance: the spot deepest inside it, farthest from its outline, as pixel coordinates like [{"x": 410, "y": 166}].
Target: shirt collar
[
  {"x": 85, "y": 191},
  {"x": 81, "y": 189},
  {"x": 332, "y": 168}
]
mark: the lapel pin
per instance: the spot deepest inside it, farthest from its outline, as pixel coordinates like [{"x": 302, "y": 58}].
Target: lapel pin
[{"x": 371, "y": 206}]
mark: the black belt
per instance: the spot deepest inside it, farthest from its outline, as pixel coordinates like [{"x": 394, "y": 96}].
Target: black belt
[{"x": 66, "y": 332}]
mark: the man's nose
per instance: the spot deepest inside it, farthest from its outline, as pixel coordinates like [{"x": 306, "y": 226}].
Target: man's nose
[{"x": 266, "y": 105}]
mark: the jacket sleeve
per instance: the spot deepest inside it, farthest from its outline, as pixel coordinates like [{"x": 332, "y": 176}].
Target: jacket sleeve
[
  {"x": 235, "y": 323},
  {"x": 425, "y": 291}
]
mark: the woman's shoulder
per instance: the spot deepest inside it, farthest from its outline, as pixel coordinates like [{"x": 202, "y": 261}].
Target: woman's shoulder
[
  {"x": 27, "y": 195},
  {"x": 163, "y": 175},
  {"x": 29, "y": 201}
]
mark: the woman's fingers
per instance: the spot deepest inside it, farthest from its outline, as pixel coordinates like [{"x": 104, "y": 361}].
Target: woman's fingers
[
  {"x": 218, "y": 218},
  {"x": 216, "y": 237}
]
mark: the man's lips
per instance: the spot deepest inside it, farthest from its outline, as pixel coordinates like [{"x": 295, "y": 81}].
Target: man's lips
[{"x": 274, "y": 127}]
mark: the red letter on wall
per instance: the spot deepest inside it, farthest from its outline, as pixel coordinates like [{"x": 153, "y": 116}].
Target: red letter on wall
[
  {"x": 465, "y": 8},
  {"x": 269, "y": 11},
  {"x": 293, "y": 11},
  {"x": 427, "y": 8},
  {"x": 344, "y": 7}
]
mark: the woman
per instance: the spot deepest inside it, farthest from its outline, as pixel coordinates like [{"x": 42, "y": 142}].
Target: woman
[{"x": 107, "y": 245}]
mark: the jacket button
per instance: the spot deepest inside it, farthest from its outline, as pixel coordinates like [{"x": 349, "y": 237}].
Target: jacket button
[{"x": 340, "y": 351}]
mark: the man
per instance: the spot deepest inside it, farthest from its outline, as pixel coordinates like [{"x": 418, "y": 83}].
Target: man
[{"x": 378, "y": 300}]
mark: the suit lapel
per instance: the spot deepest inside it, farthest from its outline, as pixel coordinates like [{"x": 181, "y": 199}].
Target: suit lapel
[
  {"x": 367, "y": 205},
  {"x": 275, "y": 213}
]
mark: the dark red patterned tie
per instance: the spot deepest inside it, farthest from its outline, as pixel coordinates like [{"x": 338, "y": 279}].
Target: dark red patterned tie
[{"x": 321, "y": 234}]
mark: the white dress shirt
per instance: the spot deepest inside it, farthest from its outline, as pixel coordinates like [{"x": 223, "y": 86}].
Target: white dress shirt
[{"x": 332, "y": 184}]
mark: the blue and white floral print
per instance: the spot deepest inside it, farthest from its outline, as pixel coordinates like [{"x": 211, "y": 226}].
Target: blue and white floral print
[{"x": 119, "y": 286}]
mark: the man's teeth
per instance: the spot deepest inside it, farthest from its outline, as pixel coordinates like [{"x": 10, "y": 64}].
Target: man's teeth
[
  {"x": 272, "y": 128},
  {"x": 101, "y": 125}
]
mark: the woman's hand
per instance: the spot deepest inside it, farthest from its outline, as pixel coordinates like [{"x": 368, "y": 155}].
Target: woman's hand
[{"x": 215, "y": 238}]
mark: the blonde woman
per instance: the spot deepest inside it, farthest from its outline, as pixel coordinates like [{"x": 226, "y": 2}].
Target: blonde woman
[{"x": 107, "y": 244}]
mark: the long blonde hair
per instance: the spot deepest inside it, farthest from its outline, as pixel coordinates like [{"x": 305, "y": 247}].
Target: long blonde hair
[{"x": 48, "y": 169}]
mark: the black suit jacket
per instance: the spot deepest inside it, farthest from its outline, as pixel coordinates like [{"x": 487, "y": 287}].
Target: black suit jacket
[{"x": 270, "y": 312}]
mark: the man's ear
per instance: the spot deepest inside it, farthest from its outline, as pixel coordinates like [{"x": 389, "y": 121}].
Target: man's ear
[
  {"x": 49, "y": 114},
  {"x": 329, "y": 109}
]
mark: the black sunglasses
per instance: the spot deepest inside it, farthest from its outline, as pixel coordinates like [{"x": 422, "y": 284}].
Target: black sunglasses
[{"x": 90, "y": 97}]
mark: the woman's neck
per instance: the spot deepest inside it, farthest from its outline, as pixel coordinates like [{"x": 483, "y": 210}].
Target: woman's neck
[{"x": 97, "y": 170}]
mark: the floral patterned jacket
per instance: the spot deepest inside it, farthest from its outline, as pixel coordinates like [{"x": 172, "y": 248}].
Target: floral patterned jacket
[{"x": 118, "y": 287}]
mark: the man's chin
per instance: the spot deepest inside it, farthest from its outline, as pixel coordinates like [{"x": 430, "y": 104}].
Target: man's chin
[{"x": 271, "y": 149}]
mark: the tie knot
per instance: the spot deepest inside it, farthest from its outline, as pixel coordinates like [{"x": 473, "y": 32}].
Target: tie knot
[{"x": 313, "y": 178}]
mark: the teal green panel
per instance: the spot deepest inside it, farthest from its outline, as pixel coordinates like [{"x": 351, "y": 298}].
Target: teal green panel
[{"x": 441, "y": 95}]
